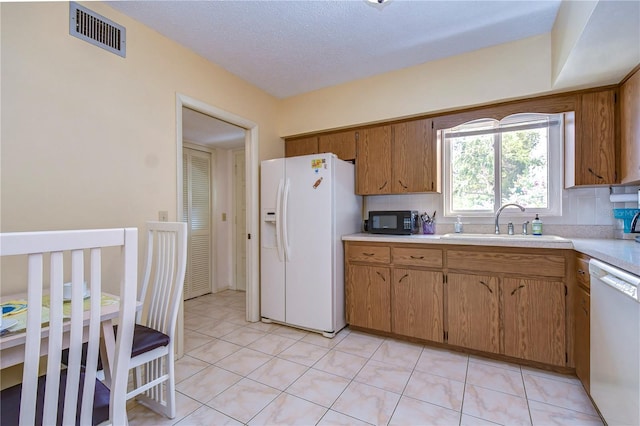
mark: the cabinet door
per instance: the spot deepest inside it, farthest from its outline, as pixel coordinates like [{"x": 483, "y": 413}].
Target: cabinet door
[
  {"x": 582, "y": 312},
  {"x": 595, "y": 139},
  {"x": 301, "y": 146},
  {"x": 630, "y": 129},
  {"x": 534, "y": 320},
  {"x": 417, "y": 304},
  {"x": 373, "y": 161},
  {"x": 415, "y": 157},
  {"x": 368, "y": 297},
  {"x": 473, "y": 318},
  {"x": 342, "y": 144}
]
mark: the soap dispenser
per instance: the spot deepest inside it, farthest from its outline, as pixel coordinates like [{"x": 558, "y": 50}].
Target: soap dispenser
[
  {"x": 458, "y": 226},
  {"x": 536, "y": 226}
]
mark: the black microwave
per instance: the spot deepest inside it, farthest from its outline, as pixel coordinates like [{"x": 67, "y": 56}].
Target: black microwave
[{"x": 398, "y": 222}]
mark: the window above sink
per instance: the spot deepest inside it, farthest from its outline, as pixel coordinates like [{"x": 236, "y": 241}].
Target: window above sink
[{"x": 488, "y": 163}]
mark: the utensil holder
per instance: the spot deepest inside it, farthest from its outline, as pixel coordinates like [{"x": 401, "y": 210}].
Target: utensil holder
[{"x": 429, "y": 227}]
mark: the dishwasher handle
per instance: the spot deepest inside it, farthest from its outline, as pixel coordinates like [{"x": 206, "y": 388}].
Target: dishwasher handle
[
  {"x": 616, "y": 278},
  {"x": 600, "y": 269}
]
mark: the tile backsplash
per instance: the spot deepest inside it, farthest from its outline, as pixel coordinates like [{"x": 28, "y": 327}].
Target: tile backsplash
[{"x": 586, "y": 212}]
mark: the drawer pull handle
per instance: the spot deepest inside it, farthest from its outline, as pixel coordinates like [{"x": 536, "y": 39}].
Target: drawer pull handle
[
  {"x": 585, "y": 311},
  {"x": 581, "y": 272},
  {"x": 368, "y": 254},
  {"x": 417, "y": 257},
  {"x": 383, "y": 185},
  {"x": 381, "y": 276},
  {"x": 403, "y": 185},
  {"x": 487, "y": 286},
  {"x": 521, "y": 286},
  {"x": 403, "y": 277}
]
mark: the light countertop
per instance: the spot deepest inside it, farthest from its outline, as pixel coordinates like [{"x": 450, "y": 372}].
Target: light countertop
[{"x": 624, "y": 254}]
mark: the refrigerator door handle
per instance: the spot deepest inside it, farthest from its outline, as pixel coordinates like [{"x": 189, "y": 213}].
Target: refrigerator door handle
[
  {"x": 285, "y": 220},
  {"x": 279, "y": 246}
]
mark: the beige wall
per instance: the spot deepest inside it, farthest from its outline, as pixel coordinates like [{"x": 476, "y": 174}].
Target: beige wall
[
  {"x": 88, "y": 137},
  {"x": 513, "y": 70}
]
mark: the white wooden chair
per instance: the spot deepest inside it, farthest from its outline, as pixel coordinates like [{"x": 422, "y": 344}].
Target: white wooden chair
[
  {"x": 83, "y": 399},
  {"x": 153, "y": 350}
]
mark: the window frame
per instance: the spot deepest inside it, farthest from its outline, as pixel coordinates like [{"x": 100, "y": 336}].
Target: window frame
[{"x": 555, "y": 161}]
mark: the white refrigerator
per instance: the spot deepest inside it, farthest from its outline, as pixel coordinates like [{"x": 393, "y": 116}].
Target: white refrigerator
[{"x": 307, "y": 204}]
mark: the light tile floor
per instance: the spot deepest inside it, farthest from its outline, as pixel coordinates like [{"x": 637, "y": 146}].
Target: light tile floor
[{"x": 235, "y": 372}]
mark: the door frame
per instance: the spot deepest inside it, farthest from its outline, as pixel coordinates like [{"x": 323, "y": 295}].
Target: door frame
[
  {"x": 235, "y": 239},
  {"x": 251, "y": 170}
]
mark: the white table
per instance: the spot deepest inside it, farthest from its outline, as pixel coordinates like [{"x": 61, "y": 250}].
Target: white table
[{"x": 12, "y": 343}]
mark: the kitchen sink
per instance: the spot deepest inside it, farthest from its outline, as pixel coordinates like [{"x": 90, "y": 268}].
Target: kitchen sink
[
  {"x": 507, "y": 237},
  {"x": 517, "y": 240}
]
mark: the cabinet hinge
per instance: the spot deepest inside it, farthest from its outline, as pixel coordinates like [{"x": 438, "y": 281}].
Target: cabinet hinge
[
  {"x": 445, "y": 336},
  {"x": 566, "y": 357},
  {"x": 248, "y": 236},
  {"x": 444, "y": 279},
  {"x": 432, "y": 124}
]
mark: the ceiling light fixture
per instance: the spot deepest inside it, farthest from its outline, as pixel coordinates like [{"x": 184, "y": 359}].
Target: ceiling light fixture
[{"x": 378, "y": 4}]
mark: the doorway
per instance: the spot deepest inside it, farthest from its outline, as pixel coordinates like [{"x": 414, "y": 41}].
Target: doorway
[{"x": 251, "y": 192}]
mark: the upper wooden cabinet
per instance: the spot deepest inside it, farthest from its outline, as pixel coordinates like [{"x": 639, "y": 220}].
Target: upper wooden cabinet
[
  {"x": 630, "y": 129},
  {"x": 343, "y": 144},
  {"x": 592, "y": 158},
  {"x": 373, "y": 163},
  {"x": 301, "y": 146},
  {"x": 397, "y": 159},
  {"x": 415, "y": 165}
]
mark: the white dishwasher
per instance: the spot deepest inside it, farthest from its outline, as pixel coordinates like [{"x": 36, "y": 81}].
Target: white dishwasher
[{"x": 615, "y": 343}]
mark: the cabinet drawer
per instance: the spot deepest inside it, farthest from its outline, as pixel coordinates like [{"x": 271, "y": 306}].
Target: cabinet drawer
[
  {"x": 409, "y": 256},
  {"x": 545, "y": 265},
  {"x": 370, "y": 254},
  {"x": 582, "y": 272}
]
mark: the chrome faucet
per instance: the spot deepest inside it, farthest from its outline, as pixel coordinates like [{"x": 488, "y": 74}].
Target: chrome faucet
[{"x": 500, "y": 211}]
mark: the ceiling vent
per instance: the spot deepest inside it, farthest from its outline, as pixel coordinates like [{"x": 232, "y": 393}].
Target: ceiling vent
[{"x": 96, "y": 29}]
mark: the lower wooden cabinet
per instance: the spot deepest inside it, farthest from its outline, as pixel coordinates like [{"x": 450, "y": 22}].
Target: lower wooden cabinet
[
  {"x": 582, "y": 337},
  {"x": 493, "y": 300},
  {"x": 417, "y": 303},
  {"x": 368, "y": 297},
  {"x": 534, "y": 320},
  {"x": 582, "y": 318},
  {"x": 473, "y": 312}
]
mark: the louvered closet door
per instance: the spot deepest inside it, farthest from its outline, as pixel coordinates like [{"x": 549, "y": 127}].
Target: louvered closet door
[{"x": 197, "y": 213}]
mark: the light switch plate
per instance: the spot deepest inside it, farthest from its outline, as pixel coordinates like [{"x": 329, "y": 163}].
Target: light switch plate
[{"x": 163, "y": 216}]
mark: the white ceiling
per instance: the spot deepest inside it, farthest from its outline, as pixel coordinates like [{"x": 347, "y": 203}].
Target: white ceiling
[
  {"x": 292, "y": 47},
  {"x": 205, "y": 130}
]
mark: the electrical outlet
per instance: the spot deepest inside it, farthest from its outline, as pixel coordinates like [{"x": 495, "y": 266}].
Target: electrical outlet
[{"x": 163, "y": 216}]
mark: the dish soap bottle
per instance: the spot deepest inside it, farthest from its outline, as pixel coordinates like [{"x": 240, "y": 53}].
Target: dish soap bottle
[
  {"x": 536, "y": 226},
  {"x": 457, "y": 226}
]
